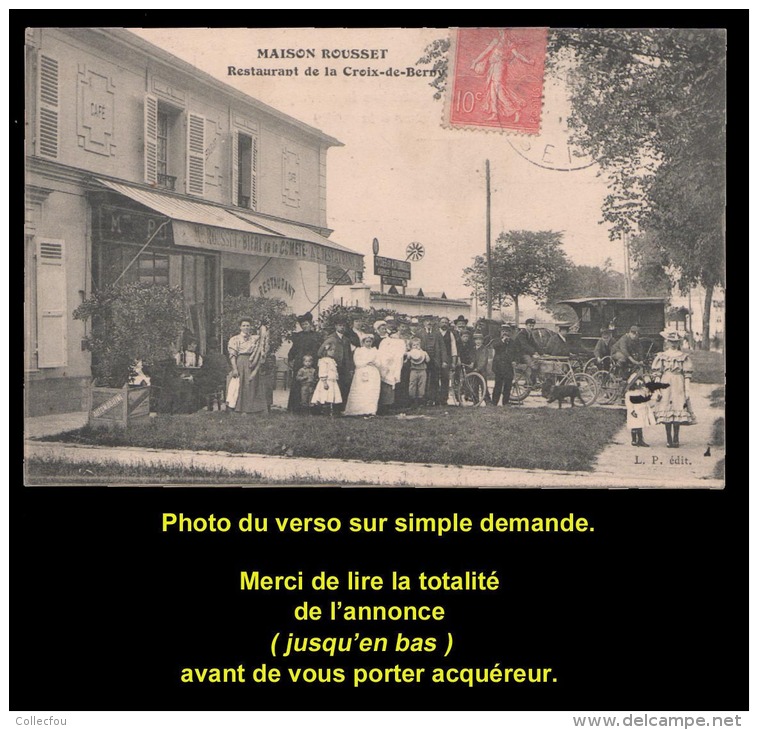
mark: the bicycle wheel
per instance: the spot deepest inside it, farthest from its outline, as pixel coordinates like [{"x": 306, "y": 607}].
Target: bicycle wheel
[
  {"x": 472, "y": 390},
  {"x": 592, "y": 366},
  {"x": 520, "y": 388},
  {"x": 587, "y": 387},
  {"x": 609, "y": 387}
]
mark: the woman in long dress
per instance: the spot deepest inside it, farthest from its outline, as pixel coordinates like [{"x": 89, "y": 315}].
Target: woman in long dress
[
  {"x": 247, "y": 353},
  {"x": 364, "y": 392},
  {"x": 675, "y": 368}
]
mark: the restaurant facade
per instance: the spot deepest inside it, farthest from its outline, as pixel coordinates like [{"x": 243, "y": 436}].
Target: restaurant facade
[{"x": 141, "y": 168}]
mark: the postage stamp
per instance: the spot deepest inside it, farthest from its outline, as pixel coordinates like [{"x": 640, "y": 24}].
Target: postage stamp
[{"x": 496, "y": 79}]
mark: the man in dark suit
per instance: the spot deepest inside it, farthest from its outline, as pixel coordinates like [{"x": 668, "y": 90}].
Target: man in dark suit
[
  {"x": 558, "y": 345},
  {"x": 432, "y": 344},
  {"x": 452, "y": 342},
  {"x": 343, "y": 356},
  {"x": 530, "y": 348},
  {"x": 507, "y": 351},
  {"x": 305, "y": 342}
]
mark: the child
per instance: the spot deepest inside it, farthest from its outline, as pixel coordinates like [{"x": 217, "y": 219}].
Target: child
[
  {"x": 638, "y": 412},
  {"x": 418, "y": 359},
  {"x": 327, "y": 391},
  {"x": 306, "y": 377}
]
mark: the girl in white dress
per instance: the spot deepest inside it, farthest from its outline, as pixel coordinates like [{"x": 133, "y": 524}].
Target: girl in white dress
[
  {"x": 363, "y": 399},
  {"x": 327, "y": 390}
]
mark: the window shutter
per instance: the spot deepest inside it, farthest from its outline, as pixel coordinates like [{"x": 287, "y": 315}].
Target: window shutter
[
  {"x": 235, "y": 167},
  {"x": 51, "y": 304},
  {"x": 47, "y": 130},
  {"x": 196, "y": 155},
  {"x": 254, "y": 174},
  {"x": 151, "y": 139}
]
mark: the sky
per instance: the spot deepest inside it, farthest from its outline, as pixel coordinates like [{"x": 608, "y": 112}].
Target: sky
[{"x": 401, "y": 176}]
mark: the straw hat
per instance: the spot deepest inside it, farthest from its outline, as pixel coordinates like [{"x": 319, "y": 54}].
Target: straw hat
[{"x": 672, "y": 336}]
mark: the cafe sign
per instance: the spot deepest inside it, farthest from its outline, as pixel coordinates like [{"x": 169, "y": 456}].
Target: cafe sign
[{"x": 255, "y": 244}]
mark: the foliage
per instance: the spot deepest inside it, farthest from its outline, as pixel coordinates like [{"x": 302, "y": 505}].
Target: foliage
[
  {"x": 524, "y": 264},
  {"x": 588, "y": 281},
  {"x": 131, "y": 322},
  {"x": 261, "y": 310},
  {"x": 364, "y": 318},
  {"x": 649, "y": 106}
]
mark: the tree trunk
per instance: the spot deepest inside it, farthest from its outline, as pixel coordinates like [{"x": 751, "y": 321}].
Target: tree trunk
[
  {"x": 707, "y": 317},
  {"x": 515, "y": 310}
]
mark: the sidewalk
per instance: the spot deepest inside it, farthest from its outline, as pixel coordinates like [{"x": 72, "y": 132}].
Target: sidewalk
[
  {"x": 618, "y": 466},
  {"x": 688, "y": 462}
]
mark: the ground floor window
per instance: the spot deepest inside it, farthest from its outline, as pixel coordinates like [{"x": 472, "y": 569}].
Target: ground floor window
[{"x": 194, "y": 273}]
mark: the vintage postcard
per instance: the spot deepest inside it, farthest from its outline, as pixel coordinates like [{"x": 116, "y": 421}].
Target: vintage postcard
[{"x": 475, "y": 257}]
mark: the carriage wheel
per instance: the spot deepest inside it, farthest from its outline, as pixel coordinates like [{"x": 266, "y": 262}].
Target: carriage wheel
[
  {"x": 609, "y": 387},
  {"x": 473, "y": 388},
  {"x": 520, "y": 388},
  {"x": 587, "y": 387}
]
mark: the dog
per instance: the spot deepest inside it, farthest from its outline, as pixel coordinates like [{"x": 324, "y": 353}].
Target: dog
[{"x": 561, "y": 392}]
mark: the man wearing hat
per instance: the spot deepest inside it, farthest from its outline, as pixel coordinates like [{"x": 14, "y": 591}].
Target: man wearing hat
[
  {"x": 305, "y": 342},
  {"x": 627, "y": 350},
  {"x": 527, "y": 342},
  {"x": 461, "y": 324},
  {"x": 432, "y": 344},
  {"x": 603, "y": 350},
  {"x": 507, "y": 351},
  {"x": 452, "y": 342},
  {"x": 558, "y": 345},
  {"x": 343, "y": 355}
]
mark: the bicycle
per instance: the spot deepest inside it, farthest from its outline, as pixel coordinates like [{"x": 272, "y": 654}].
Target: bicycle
[
  {"x": 469, "y": 387},
  {"x": 615, "y": 381},
  {"x": 557, "y": 371}
]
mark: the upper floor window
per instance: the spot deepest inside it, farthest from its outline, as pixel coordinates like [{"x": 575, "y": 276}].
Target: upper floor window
[
  {"x": 244, "y": 170},
  {"x": 174, "y": 144}
]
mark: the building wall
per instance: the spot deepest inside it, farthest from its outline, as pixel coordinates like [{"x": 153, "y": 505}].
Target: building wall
[
  {"x": 361, "y": 296},
  {"x": 96, "y": 85},
  {"x": 101, "y": 121}
]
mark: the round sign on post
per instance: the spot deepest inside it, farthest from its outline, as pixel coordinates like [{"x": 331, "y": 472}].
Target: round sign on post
[
  {"x": 414, "y": 251},
  {"x": 375, "y": 246}
]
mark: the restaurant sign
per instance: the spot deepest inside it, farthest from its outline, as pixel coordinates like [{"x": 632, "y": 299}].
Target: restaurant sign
[{"x": 256, "y": 244}]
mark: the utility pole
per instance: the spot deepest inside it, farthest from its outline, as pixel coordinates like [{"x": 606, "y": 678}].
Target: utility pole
[{"x": 489, "y": 246}]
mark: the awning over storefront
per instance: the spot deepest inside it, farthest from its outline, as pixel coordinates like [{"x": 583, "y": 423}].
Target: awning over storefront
[{"x": 211, "y": 227}]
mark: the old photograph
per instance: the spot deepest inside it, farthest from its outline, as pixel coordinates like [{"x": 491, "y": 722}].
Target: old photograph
[{"x": 425, "y": 257}]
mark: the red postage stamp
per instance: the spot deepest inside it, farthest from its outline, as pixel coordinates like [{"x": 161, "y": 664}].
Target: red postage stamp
[{"x": 497, "y": 78}]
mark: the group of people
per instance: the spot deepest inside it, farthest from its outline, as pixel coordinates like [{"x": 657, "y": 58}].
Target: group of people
[
  {"x": 361, "y": 373},
  {"x": 404, "y": 364}
]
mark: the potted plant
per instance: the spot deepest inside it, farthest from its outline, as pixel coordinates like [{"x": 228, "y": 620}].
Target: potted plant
[{"x": 133, "y": 326}]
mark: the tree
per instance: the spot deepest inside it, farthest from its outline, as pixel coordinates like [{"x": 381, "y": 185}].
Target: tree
[
  {"x": 524, "y": 264},
  {"x": 648, "y": 105}
]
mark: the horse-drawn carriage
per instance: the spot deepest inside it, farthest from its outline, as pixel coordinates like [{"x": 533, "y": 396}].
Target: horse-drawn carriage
[{"x": 594, "y": 314}]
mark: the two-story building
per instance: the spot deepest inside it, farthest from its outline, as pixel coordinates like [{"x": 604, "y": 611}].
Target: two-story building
[{"x": 142, "y": 168}]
